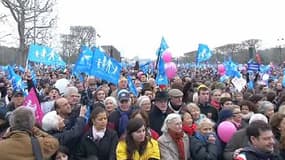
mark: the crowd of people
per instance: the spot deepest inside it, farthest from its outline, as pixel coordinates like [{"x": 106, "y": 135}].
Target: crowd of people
[{"x": 92, "y": 119}]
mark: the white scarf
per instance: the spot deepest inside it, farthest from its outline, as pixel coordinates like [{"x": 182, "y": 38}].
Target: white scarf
[{"x": 98, "y": 134}]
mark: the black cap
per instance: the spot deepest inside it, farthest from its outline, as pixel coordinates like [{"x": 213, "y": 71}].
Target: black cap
[
  {"x": 17, "y": 93},
  {"x": 123, "y": 95},
  {"x": 161, "y": 95}
]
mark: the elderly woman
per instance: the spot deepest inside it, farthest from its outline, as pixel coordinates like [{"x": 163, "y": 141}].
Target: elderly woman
[
  {"x": 173, "y": 143},
  {"x": 204, "y": 144},
  {"x": 99, "y": 141},
  {"x": 266, "y": 108},
  {"x": 144, "y": 103},
  {"x": 110, "y": 105},
  {"x": 137, "y": 144}
]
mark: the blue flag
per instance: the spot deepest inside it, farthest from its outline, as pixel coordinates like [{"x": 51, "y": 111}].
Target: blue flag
[
  {"x": 132, "y": 86},
  {"x": 161, "y": 78},
  {"x": 105, "y": 67},
  {"x": 145, "y": 67},
  {"x": 34, "y": 77},
  {"x": 44, "y": 55},
  {"x": 203, "y": 53},
  {"x": 17, "y": 82},
  {"x": 83, "y": 63}
]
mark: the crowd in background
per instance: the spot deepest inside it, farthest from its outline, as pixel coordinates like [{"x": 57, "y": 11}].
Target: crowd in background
[{"x": 191, "y": 118}]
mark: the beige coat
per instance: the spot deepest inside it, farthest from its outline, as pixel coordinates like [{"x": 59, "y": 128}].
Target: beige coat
[
  {"x": 17, "y": 145},
  {"x": 168, "y": 148}
]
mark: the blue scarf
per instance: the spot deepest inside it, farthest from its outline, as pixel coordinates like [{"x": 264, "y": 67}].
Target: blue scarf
[
  {"x": 123, "y": 121},
  {"x": 204, "y": 138}
]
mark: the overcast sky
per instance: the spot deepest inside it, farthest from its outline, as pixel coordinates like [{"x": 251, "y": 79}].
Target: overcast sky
[{"x": 135, "y": 27}]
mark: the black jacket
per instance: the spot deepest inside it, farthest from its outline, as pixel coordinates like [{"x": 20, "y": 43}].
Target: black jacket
[
  {"x": 210, "y": 111},
  {"x": 203, "y": 151},
  {"x": 252, "y": 154},
  {"x": 70, "y": 137},
  {"x": 103, "y": 149},
  {"x": 156, "y": 119}
]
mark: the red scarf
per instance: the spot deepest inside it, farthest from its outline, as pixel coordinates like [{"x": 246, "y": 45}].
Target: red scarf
[
  {"x": 178, "y": 139},
  {"x": 190, "y": 130},
  {"x": 216, "y": 104}
]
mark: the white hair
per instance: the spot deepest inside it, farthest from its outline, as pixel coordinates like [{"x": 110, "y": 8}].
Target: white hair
[
  {"x": 69, "y": 90},
  {"x": 50, "y": 121},
  {"x": 170, "y": 117},
  {"x": 258, "y": 117},
  {"x": 113, "y": 99}
]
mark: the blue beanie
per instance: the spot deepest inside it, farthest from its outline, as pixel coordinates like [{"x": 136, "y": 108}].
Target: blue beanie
[{"x": 225, "y": 114}]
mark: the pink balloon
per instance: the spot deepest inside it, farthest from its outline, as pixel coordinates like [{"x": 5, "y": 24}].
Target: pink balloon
[
  {"x": 170, "y": 70},
  {"x": 221, "y": 69},
  {"x": 167, "y": 56},
  {"x": 226, "y": 130}
]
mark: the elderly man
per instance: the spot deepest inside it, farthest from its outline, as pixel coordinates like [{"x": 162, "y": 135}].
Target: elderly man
[
  {"x": 175, "y": 103},
  {"x": 159, "y": 110},
  {"x": 68, "y": 134},
  {"x": 24, "y": 141}
]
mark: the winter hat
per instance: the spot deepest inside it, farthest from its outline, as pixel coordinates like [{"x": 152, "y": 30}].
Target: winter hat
[
  {"x": 50, "y": 121},
  {"x": 225, "y": 114}
]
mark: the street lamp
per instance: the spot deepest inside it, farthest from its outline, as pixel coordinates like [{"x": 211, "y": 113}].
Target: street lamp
[{"x": 280, "y": 45}]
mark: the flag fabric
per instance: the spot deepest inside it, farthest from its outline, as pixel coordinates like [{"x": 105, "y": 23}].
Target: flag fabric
[
  {"x": 203, "y": 53},
  {"x": 132, "y": 86},
  {"x": 34, "y": 77},
  {"x": 145, "y": 68},
  {"x": 32, "y": 102},
  {"x": 161, "y": 78},
  {"x": 83, "y": 63},
  {"x": 17, "y": 82},
  {"x": 105, "y": 67},
  {"x": 44, "y": 55}
]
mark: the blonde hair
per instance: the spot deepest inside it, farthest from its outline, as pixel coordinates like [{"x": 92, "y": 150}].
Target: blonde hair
[
  {"x": 205, "y": 121},
  {"x": 281, "y": 109},
  {"x": 191, "y": 106}
]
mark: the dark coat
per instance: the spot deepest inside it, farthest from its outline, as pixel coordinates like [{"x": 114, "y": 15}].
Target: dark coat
[
  {"x": 114, "y": 120},
  {"x": 252, "y": 154},
  {"x": 239, "y": 140},
  {"x": 103, "y": 149},
  {"x": 203, "y": 151},
  {"x": 210, "y": 111},
  {"x": 156, "y": 119},
  {"x": 70, "y": 137}
]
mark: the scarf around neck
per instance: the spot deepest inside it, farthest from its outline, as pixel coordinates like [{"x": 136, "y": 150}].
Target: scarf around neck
[{"x": 178, "y": 139}]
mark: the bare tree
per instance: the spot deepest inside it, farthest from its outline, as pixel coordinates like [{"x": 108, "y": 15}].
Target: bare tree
[
  {"x": 78, "y": 36},
  {"x": 251, "y": 43},
  {"x": 2, "y": 17},
  {"x": 83, "y": 35},
  {"x": 33, "y": 18}
]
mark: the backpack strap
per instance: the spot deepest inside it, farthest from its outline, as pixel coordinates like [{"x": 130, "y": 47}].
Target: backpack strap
[{"x": 36, "y": 148}]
